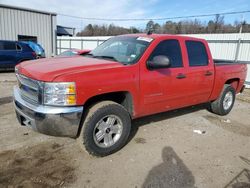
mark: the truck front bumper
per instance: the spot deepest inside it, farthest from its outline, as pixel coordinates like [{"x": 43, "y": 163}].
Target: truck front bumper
[{"x": 49, "y": 120}]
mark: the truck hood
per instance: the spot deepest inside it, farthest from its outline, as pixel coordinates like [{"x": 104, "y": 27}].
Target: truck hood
[{"x": 49, "y": 68}]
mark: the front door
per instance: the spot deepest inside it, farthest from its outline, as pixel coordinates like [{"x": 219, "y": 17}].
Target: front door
[{"x": 164, "y": 89}]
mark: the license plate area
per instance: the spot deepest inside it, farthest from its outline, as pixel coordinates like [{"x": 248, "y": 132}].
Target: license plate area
[{"x": 25, "y": 120}]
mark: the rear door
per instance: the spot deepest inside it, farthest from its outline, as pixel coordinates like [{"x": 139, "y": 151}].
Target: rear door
[{"x": 200, "y": 73}]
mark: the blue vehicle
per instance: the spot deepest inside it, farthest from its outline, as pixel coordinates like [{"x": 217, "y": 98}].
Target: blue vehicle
[
  {"x": 40, "y": 53},
  {"x": 14, "y": 52}
]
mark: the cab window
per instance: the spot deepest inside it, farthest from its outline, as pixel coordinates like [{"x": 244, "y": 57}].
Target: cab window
[
  {"x": 197, "y": 54},
  {"x": 171, "y": 49}
]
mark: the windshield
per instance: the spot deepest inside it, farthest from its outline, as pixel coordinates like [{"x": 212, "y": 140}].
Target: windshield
[
  {"x": 68, "y": 53},
  {"x": 124, "y": 49}
]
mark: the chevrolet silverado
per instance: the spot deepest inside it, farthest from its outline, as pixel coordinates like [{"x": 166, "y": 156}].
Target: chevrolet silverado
[{"x": 95, "y": 96}]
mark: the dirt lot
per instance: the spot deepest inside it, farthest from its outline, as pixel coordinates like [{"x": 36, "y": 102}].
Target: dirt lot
[{"x": 163, "y": 151}]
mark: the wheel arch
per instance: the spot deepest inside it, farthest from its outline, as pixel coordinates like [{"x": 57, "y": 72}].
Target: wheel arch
[
  {"x": 234, "y": 82},
  {"x": 123, "y": 98}
]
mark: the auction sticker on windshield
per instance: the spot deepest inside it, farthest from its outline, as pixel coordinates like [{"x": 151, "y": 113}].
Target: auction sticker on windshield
[{"x": 147, "y": 39}]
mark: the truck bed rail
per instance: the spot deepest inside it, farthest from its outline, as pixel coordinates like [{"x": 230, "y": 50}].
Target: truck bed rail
[{"x": 229, "y": 62}]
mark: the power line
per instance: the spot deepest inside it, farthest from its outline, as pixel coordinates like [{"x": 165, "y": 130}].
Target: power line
[{"x": 156, "y": 19}]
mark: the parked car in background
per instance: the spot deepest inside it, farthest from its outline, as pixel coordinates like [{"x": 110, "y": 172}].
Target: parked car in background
[
  {"x": 40, "y": 53},
  {"x": 73, "y": 52},
  {"x": 14, "y": 52}
]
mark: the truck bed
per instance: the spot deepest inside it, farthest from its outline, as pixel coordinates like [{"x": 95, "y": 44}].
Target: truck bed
[{"x": 228, "y": 70}]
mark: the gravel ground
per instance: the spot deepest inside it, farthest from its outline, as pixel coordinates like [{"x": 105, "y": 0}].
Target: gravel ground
[{"x": 163, "y": 151}]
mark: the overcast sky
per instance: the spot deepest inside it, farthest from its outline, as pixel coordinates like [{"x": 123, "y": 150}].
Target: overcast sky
[{"x": 132, "y": 9}]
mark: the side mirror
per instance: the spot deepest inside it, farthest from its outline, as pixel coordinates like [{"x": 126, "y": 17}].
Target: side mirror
[{"x": 158, "y": 62}]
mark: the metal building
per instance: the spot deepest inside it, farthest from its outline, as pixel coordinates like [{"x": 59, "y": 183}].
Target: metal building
[{"x": 17, "y": 23}]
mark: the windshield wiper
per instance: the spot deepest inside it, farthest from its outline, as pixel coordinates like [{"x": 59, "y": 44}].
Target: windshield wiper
[
  {"x": 88, "y": 54},
  {"x": 106, "y": 57}
]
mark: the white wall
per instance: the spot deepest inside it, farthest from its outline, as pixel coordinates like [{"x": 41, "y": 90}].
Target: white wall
[
  {"x": 222, "y": 46},
  {"x": 65, "y": 42}
]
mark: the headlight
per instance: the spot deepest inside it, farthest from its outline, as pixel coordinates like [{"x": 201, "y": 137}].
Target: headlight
[{"x": 59, "y": 93}]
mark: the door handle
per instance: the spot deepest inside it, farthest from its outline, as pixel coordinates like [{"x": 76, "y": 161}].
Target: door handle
[
  {"x": 208, "y": 73},
  {"x": 181, "y": 76}
]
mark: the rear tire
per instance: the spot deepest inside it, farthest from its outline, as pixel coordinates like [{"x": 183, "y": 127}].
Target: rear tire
[
  {"x": 106, "y": 128},
  {"x": 224, "y": 104}
]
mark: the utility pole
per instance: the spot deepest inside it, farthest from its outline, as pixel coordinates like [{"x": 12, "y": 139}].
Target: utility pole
[
  {"x": 240, "y": 28},
  {"x": 241, "y": 24}
]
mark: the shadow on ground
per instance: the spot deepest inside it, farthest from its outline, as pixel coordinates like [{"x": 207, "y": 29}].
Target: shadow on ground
[
  {"x": 171, "y": 173},
  {"x": 242, "y": 180},
  {"x": 10, "y": 70},
  {"x": 162, "y": 116}
]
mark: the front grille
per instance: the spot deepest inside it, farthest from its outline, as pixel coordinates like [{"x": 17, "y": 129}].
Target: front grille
[{"x": 29, "y": 89}]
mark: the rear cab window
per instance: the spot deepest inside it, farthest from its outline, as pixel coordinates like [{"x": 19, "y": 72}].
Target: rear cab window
[
  {"x": 170, "y": 48},
  {"x": 197, "y": 53}
]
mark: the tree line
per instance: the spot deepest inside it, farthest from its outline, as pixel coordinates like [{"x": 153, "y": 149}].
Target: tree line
[
  {"x": 106, "y": 30},
  {"x": 217, "y": 25}
]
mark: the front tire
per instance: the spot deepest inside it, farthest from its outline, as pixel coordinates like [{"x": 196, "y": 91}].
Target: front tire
[
  {"x": 105, "y": 129},
  {"x": 224, "y": 104}
]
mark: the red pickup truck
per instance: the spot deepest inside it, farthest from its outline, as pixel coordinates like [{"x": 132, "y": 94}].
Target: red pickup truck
[{"x": 94, "y": 97}]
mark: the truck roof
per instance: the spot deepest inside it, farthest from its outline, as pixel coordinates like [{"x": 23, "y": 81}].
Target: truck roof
[{"x": 156, "y": 36}]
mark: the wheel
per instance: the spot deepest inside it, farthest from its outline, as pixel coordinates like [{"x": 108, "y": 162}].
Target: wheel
[
  {"x": 105, "y": 129},
  {"x": 224, "y": 104}
]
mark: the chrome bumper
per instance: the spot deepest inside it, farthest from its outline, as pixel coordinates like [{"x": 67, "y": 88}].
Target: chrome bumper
[{"x": 54, "y": 121}]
